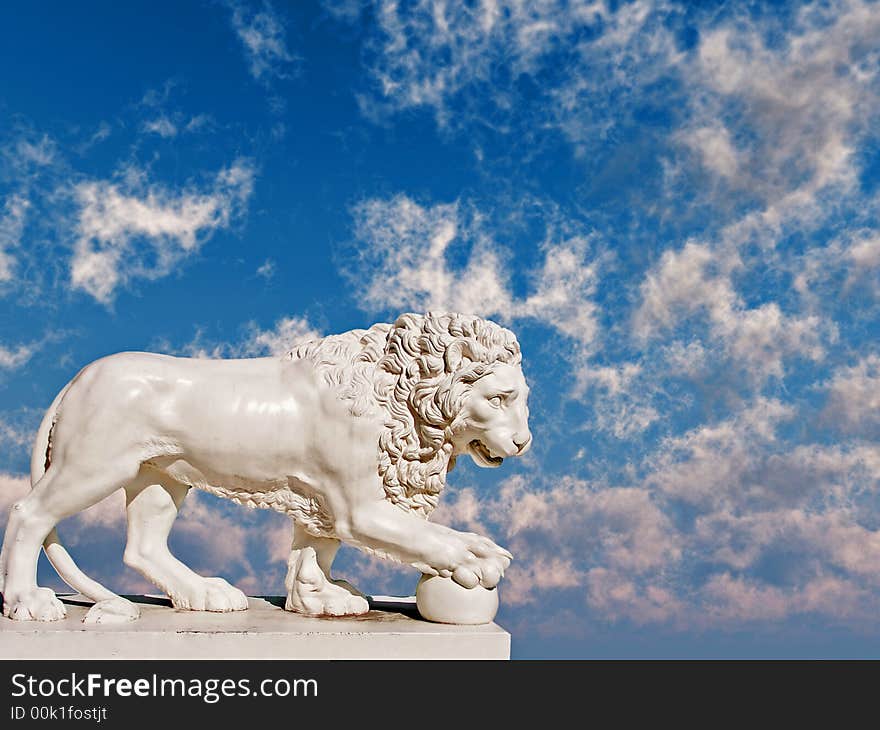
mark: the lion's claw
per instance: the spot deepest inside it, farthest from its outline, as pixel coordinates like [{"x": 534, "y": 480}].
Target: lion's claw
[
  {"x": 209, "y": 594},
  {"x": 35, "y": 604},
  {"x": 491, "y": 576},
  {"x": 474, "y": 560},
  {"x": 465, "y": 577}
]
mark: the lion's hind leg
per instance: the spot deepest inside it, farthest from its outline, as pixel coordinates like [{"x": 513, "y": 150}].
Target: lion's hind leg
[
  {"x": 23, "y": 599},
  {"x": 152, "y": 504},
  {"x": 325, "y": 553},
  {"x": 64, "y": 490},
  {"x": 310, "y": 589}
]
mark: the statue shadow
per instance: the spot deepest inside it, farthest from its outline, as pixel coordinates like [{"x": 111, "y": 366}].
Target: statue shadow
[
  {"x": 393, "y": 604},
  {"x": 141, "y": 600},
  {"x": 379, "y": 606}
]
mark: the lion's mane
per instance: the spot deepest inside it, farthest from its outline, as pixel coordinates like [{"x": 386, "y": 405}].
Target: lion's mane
[{"x": 416, "y": 374}]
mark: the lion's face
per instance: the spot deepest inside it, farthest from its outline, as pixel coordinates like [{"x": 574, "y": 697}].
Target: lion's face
[{"x": 495, "y": 417}]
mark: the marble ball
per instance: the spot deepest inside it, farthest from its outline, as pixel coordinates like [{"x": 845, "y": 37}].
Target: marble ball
[{"x": 444, "y": 601}]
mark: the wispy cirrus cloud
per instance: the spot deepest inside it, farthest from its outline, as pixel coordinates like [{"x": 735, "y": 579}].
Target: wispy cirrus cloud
[
  {"x": 263, "y": 36},
  {"x": 129, "y": 229},
  {"x": 444, "y": 256},
  {"x": 24, "y": 156},
  {"x": 25, "y": 152},
  {"x": 12, "y": 222},
  {"x": 444, "y": 56},
  {"x": 775, "y": 120},
  {"x": 162, "y": 116},
  {"x": 61, "y": 229},
  {"x": 254, "y": 342},
  {"x": 12, "y": 358},
  {"x": 161, "y": 126}
]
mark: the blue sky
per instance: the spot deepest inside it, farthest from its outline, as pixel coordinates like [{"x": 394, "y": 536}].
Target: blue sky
[{"x": 674, "y": 206}]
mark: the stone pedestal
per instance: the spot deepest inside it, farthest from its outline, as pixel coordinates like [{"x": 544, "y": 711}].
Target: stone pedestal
[{"x": 391, "y": 630}]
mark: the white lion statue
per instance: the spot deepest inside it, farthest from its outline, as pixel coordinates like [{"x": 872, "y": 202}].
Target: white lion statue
[{"x": 351, "y": 435}]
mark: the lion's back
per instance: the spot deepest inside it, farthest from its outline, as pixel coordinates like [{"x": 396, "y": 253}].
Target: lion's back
[{"x": 147, "y": 395}]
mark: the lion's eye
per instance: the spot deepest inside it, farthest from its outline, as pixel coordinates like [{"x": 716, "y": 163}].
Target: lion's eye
[{"x": 496, "y": 401}]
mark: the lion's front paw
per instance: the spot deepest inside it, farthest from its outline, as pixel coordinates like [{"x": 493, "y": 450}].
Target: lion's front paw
[
  {"x": 210, "y": 594},
  {"x": 474, "y": 559},
  {"x": 36, "y": 604}
]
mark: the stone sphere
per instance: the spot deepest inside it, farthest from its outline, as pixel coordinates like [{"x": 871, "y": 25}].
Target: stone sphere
[{"x": 444, "y": 601}]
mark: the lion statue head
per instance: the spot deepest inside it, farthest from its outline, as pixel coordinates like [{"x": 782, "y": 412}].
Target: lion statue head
[{"x": 445, "y": 384}]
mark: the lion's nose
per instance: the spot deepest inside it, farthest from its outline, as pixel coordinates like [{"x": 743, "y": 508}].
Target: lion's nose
[{"x": 522, "y": 445}]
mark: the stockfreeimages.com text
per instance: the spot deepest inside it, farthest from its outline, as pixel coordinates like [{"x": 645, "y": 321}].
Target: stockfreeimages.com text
[{"x": 209, "y": 690}]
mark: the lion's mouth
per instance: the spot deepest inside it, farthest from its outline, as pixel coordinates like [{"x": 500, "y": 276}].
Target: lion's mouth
[{"x": 481, "y": 454}]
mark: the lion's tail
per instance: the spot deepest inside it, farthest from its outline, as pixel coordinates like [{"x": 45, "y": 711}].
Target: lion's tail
[{"x": 58, "y": 556}]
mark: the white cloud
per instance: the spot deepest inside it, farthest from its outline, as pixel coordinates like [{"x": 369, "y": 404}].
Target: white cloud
[
  {"x": 406, "y": 254},
  {"x": 218, "y": 542},
  {"x": 12, "y": 221},
  {"x": 107, "y": 515},
  {"x": 609, "y": 544},
  {"x": 15, "y": 434},
  {"x": 734, "y": 600},
  {"x": 564, "y": 290},
  {"x": 128, "y": 229},
  {"x": 349, "y": 10},
  {"x": 198, "y": 123},
  {"x": 778, "y": 122},
  {"x": 621, "y": 397},
  {"x": 262, "y": 35},
  {"x": 715, "y": 149},
  {"x": 163, "y": 118},
  {"x": 697, "y": 279},
  {"x": 684, "y": 358},
  {"x": 832, "y": 537},
  {"x": 14, "y": 358},
  {"x": 431, "y": 54},
  {"x": 840, "y": 268},
  {"x": 682, "y": 281},
  {"x": 103, "y": 131},
  {"x": 804, "y": 98},
  {"x": 807, "y": 509},
  {"x": 257, "y": 342},
  {"x": 405, "y": 248},
  {"x": 463, "y": 509},
  {"x": 24, "y": 156},
  {"x": 161, "y": 126},
  {"x": 706, "y": 465},
  {"x": 266, "y": 269},
  {"x": 864, "y": 252},
  {"x": 753, "y": 500},
  {"x": 28, "y": 152},
  {"x": 854, "y": 395},
  {"x": 287, "y": 332},
  {"x": 525, "y": 583}
]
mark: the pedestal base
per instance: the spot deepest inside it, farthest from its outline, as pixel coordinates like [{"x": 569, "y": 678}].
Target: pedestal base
[{"x": 391, "y": 630}]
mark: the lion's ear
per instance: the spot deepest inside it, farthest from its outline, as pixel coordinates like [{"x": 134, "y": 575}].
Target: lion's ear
[{"x": 455, "y": 353}]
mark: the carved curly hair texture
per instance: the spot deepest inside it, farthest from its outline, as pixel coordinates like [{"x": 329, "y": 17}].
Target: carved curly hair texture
[{"x": 417, "y": 374}]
